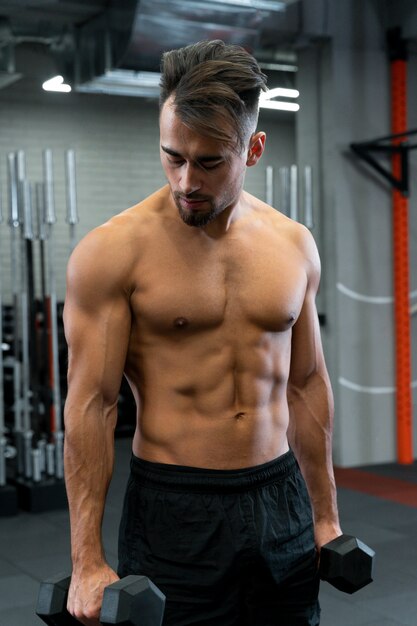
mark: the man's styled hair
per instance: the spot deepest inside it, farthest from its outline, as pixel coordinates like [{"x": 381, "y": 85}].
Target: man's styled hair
[{"x": 216, "y": 90}]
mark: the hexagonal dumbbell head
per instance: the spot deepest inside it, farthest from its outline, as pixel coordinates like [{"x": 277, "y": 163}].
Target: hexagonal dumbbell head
[
  {"x": 52, "y": 602},
  {"x": 132, "y": 601},
  {"x": 347, "y": 563}
]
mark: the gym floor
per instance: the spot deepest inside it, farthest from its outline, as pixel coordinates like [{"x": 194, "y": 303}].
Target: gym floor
[{"x": 378, "y": 504}]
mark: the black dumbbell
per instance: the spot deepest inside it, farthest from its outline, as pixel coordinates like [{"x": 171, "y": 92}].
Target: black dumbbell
[
  {"x": 347, "y": 563},
  {"x": 131, "y": 601}
]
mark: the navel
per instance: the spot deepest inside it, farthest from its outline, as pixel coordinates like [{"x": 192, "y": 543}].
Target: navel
[{"x": 239, "y": 416}]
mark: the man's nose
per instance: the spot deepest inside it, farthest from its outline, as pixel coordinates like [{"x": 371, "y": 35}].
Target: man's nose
[{"x": 190, "y": 179}]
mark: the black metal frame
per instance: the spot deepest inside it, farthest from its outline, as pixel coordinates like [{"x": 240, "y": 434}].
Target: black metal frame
[{"x": 364, "y": 149}]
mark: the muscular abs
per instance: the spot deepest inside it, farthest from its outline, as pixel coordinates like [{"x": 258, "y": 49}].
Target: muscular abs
[{"x": 210, "y": 343}]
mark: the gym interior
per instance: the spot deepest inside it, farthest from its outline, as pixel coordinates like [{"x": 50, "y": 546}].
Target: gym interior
[{"x": 79, "y": 143}]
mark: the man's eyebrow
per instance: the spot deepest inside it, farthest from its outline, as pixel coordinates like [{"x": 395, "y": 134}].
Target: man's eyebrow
[
  {"x": 169, "y": 151},
  {"x": 203, "y": 157}
]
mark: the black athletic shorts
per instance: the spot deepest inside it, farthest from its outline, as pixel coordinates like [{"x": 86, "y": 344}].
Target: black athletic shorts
[{"x": 226, "y": 547}]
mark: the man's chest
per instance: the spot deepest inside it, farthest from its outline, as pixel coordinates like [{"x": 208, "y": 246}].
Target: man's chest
[{"x": 256, "y": 283}]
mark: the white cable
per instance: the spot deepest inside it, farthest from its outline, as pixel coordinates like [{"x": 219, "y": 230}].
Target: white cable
[
  {"x": 372, "y": 390},
  {"x": 370, "y": 299}
]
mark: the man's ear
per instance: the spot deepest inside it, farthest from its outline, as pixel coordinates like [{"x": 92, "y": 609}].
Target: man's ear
[{"x": 256, "y": 148}]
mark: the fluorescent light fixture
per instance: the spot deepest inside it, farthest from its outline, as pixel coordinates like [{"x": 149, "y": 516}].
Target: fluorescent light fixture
[
  {"x": 266, "y": 102},
  {"x": 56, "y": 84},
  {"x": 124, "y": 83},
  {"x": 278, "y": 67},
  {"x": 277, "y": 105},
  {"x": 263, "y": 5},
  {"x": 279, "y": 91}
]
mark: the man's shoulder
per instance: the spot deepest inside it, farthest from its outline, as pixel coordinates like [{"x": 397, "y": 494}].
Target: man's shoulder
[
  {"x": 137, "y": 219},
  {"x": 124, "y": 231},
  {"x": 111, "y": 250},
  {"x": 296, "y": 237},
  {"x": 281, "y": 222}
]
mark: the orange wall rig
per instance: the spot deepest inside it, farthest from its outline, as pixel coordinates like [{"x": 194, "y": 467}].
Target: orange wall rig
[{"x": 398, "y": 146}]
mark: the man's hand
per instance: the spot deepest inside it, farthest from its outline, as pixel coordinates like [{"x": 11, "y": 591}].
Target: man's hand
[
  {"x": 85, "y": 594},
  {"x": 325, "y": 532}
]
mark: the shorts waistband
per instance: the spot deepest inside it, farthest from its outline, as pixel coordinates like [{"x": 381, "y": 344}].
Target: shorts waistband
[{"x": 168, "y": 477}]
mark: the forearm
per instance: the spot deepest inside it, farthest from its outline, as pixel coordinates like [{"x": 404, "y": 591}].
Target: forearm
[
  {"x": 310, "y": 437},
  {"x": 89, "y": 459}
]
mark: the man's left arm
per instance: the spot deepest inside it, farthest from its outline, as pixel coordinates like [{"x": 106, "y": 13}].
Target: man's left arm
[{"x": 311, "y": 408}]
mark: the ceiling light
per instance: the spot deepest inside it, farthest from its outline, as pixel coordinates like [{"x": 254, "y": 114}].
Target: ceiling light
[
  {"x": 56, "y": 84},
  {"x": 265, "y": 5},
  {"x": 278, "y": 67},
  {"x": 278, "y": 105},
  {"x": 124, "y": 83},
  {"x": 266, "y": 102},
  {"x": 279, "y": 91}
]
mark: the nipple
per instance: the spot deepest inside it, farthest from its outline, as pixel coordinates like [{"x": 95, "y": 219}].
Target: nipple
[{"x": 181, "y": 322}]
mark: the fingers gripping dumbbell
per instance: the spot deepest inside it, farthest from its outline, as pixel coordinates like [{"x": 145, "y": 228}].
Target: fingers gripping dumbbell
[
  {"x": 347, "y": 563},
  {"x": 131, "y": 601}
]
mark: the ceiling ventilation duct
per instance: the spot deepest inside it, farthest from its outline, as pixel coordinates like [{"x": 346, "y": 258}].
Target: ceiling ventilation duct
[{"x": 119, "y": 52}]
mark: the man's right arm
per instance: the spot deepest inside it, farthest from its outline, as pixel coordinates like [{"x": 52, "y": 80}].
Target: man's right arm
[{"x": 97, "y": 327}]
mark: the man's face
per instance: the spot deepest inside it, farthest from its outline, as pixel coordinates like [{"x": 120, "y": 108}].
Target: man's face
[{"x": 205, "y": 175}]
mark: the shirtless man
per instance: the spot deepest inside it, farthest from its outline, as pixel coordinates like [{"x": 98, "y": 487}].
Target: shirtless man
[{"x": 204, "y": 297}]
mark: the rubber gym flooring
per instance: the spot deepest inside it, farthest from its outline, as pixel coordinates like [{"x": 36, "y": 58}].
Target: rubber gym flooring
[{"x": 378, "y": 504}]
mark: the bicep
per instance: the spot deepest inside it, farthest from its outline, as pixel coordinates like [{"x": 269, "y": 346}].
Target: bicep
[
  {"x": 97, "y": 323},
  {"x": 97, "y": 341}
]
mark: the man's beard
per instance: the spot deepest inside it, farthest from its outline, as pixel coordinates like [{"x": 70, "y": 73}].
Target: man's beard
[{"x": 197, "y": 218}]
